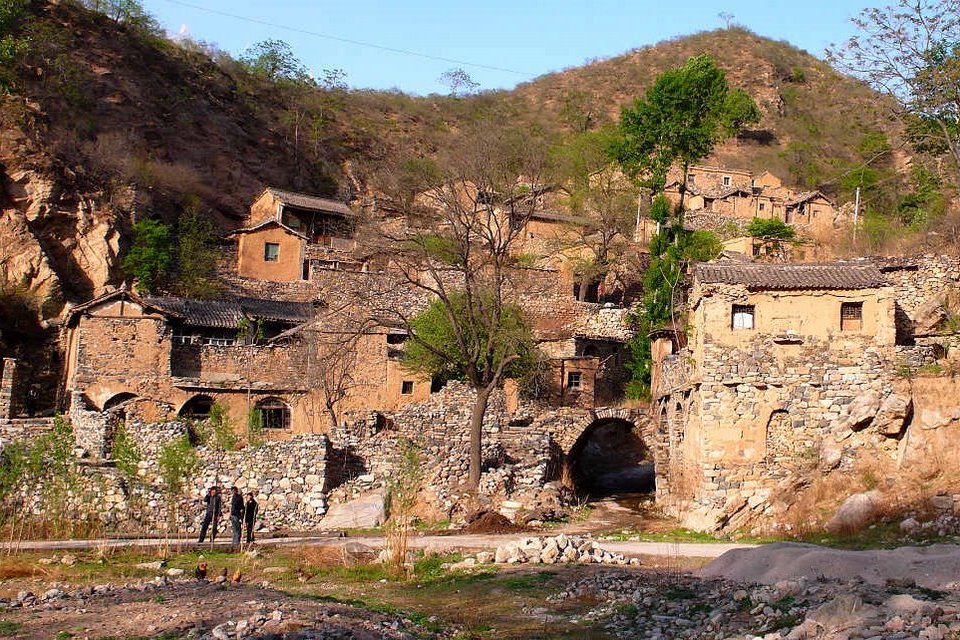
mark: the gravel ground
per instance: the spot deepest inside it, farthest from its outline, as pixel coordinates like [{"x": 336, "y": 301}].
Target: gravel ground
[
  {"x": 675, "y": 606},
  {"x": 196, "y": 609}
]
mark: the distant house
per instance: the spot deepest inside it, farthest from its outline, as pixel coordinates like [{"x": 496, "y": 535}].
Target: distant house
[
  {"x": 291, "y": 234},
  {"x": 734, "y": 193}
]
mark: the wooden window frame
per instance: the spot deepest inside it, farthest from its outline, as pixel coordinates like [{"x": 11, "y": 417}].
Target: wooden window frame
[
  {"x": 851, "y": 316},
  {"x": 266, "y": 252},
  {"x": 744, "y": 310}
]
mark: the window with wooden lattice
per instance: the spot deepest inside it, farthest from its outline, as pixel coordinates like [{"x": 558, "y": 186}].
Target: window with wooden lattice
[{"x": 851, "y": 316}]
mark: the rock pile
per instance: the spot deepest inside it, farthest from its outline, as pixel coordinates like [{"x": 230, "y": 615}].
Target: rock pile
[
  {"x": 557, "y": 550},
  {"x": 675, "y": 606}
]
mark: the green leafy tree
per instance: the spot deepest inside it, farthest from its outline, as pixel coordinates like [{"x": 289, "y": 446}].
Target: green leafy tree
[
  {"x": 151, "y": 256},
  {"x": 670, "y": 251},
  {"x": 771, "y": 229},
  {"x": 275, "y": 61},
  {"x": 679, "y": 120},
  {"x": 196, "y": 254}
]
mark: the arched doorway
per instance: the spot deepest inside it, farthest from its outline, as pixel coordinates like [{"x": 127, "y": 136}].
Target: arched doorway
[
  {"x": 118, "y": 399},
  {"x": 196, "y": 408},
  {"x": 610, "y": 457}
]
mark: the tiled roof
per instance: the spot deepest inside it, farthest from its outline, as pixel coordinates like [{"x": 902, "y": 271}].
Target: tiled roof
[
  {"x": 267, "y": 223},
  {"x": 306, "y": 201},
  {"x": 806, "y": 195},
  {"x": 782, "y": 277},
  {"x": 227, "y": 313}
]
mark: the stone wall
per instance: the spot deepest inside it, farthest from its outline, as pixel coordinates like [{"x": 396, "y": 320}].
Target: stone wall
[
  {"x": 288, "y": 478},
  {"x": 8, "y": 367}
]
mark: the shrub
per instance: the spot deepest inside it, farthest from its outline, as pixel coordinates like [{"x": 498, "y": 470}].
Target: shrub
[
  {"x": 124, "y": 451},
  {"x": 151, "y": 256},
  {"x": 771, "y": 229}
]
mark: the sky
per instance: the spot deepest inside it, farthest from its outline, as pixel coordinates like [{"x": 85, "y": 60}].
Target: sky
[{"x": 498, "y": 42}]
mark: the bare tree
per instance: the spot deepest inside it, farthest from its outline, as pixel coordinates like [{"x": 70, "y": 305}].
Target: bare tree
[
  {"x": 331, "y": 358},
  {"x": 461, "y": 255},
  {"x": 459, "y": 81},
  {"x": 911, "y": 51},
  {"x": 599, "y": 237}
]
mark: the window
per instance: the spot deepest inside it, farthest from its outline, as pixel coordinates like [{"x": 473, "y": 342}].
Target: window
[
  {"x": 743, "y": 316},
  {"x": 406, "y": 387},
  {"x": 271, "y": 251},
  {"x": 274, "y": 413},
  {"x": 691, "y": 178},
  {"x": 851, "y": 316},
  {"x": 396, "y": 338},
  {"x": 726, "y": 181},
  {"x": 574, "y": 380},
  {"x": 305, "y": 275},
  {"x": 763, "y": 206}
]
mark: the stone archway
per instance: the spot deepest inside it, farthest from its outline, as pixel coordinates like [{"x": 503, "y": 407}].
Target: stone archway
[{"x": 611, "y": 457}]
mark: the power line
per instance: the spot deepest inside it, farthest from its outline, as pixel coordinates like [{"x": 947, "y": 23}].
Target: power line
[{"x": 358, "y": 43}]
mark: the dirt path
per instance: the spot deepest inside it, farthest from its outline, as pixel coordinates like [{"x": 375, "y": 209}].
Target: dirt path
[{"x": 455, "y": 542}]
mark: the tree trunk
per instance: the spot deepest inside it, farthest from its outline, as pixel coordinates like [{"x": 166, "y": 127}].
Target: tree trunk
[
  {"x": 476, "y": 436},
  {"x": 332, "y": 414}
]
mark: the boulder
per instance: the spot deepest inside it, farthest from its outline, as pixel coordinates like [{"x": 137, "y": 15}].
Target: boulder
[
  {"x": 831, "y": 453},
  {"x": 893, "y": 414},
  {"x": 846, "y": 611},
  {"x": 861, "y": 411},
  {"x": 365, "y": 512},
  {"x": 856, "y": 512}
]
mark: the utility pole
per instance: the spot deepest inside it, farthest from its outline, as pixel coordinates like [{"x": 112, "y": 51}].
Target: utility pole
[
  {"x": 636, "y": 232},
  {"x": 856, "y": 216}
]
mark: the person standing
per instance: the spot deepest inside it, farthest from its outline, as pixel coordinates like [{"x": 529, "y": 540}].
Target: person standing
[
  {"x": 250, "y": 516},
  {"x": 212, "y": 514},
  {"x": 236, "y": 514}
]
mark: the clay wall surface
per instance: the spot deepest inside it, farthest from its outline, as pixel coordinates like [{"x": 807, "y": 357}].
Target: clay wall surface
[
  {"x": 263, "y": 208},
  {"x": 250, "y": 255}
]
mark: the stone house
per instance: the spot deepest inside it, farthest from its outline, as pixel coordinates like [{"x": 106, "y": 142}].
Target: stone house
[
  {"x": 741, "y": 195},
  {"x": 292, "y": 234},
  {"x": 773, "y": 355},
  {"x": 170, "y": 357}
]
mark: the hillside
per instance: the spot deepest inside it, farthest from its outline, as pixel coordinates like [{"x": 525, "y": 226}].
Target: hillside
[
  {"x": 106, "y": 123},
  {"x": 813, "y": 120}
]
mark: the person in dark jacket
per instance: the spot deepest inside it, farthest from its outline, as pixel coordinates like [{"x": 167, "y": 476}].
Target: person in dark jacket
[
  {"x": 236, "y": 514},
  {"x": 250, "y": 516},
  {"x": 212, "y": 514}
]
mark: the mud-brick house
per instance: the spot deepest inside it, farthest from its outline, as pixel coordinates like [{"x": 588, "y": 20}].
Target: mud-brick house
[
  {"x": 741, "y": 195},
  {"x": 289, "y": 235},
  {"x": 165, "y": 357},
  {"x": 772, "y": 357}
]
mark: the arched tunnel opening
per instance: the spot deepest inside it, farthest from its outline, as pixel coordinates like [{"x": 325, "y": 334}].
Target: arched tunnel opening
[{"x": 611, "y": 458}]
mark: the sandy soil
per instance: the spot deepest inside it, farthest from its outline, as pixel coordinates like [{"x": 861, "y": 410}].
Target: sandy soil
[{"x": 933, "y": 567}]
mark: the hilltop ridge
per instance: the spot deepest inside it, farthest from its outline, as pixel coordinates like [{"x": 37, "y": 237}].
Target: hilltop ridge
[{"x": 105, "y": 125}]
